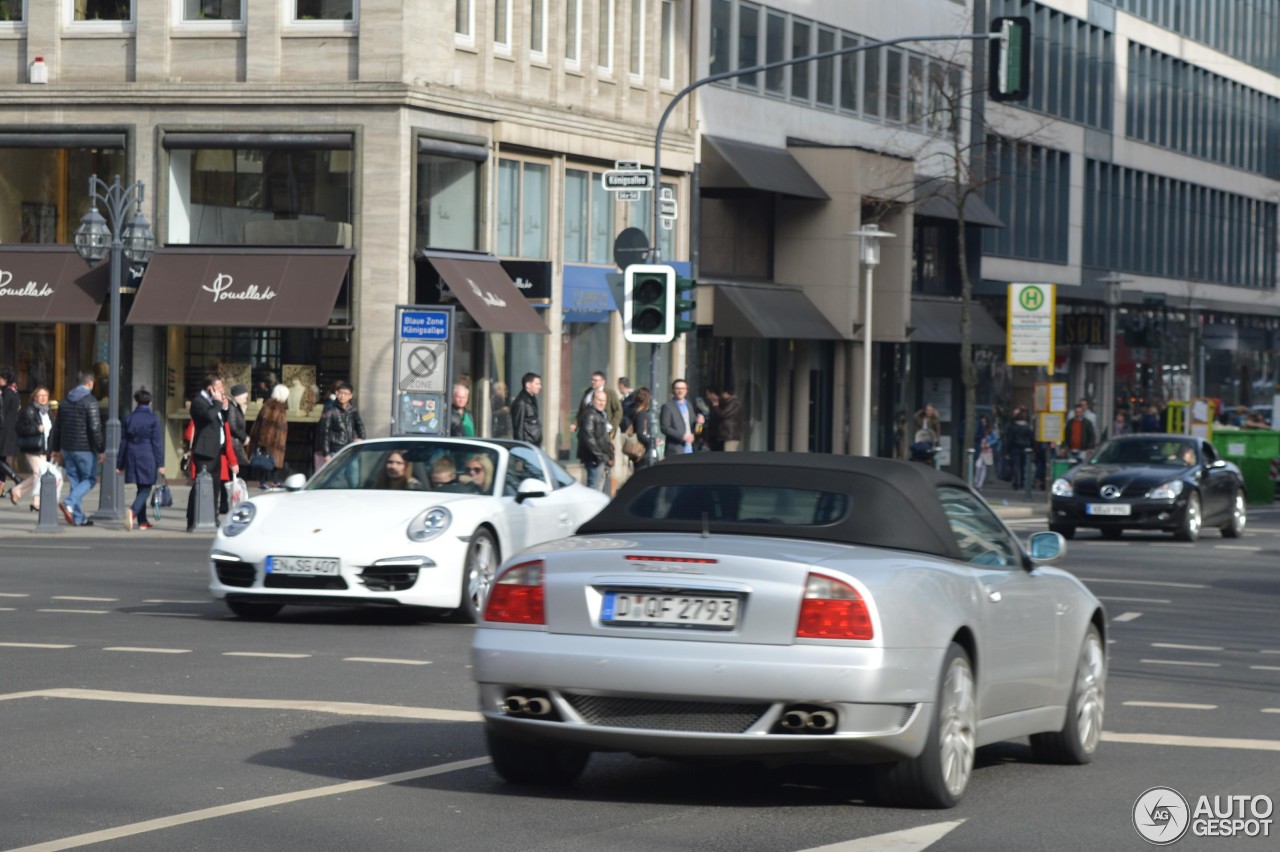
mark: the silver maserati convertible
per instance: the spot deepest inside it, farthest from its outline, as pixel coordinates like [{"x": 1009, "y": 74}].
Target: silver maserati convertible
[{"x": 791, "y": 608}]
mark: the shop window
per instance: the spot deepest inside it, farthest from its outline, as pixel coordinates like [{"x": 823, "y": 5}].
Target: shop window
[
  {"x": 261, "y": 196},
  {"x": 448, "y": 208},
  {"x": 584, "y": 348},
  {"x": 43, "y": 191},
  {"x": 522, "y": 209},
  {"x": 210, "y": 11}
]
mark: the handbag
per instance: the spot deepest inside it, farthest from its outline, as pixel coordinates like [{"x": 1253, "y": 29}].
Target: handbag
[
  {"x": 262, "y": 461},
  {"x": 161, "y": 496},
  {"x": 632, "y": 447}
]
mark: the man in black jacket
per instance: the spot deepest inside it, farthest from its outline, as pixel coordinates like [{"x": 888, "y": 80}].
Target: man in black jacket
[
  {"x": 525, "y": 425},
  {"x": 341, "y": 423},
  {"x": 208, "y": 413},
  {"x": 595, "y": 450},
  {"x": 77, "y": 437}
]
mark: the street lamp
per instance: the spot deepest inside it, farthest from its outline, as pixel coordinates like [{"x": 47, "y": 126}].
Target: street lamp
[
  {"x": 130, "y": 236},
  {"x": 870, "y": 236},
  {"x": 1114, "y": 295}
]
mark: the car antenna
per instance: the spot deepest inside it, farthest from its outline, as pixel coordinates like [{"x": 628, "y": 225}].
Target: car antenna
[{"x": 706, "y": 526}]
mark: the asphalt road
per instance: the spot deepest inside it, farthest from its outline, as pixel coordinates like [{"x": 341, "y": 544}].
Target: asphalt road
[{"x": 136, "y": 714}]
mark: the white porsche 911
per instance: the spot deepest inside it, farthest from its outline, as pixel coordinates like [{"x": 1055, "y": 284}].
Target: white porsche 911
[{"x": 404, "y": 521}]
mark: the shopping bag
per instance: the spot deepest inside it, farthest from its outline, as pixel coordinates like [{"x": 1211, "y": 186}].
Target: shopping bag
[{"x": 237, "y": 492}]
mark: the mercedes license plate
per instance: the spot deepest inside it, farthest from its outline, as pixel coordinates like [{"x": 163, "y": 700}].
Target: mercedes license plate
[
  {"x": 309, "y": 565},
  {"x": 1108, "y": 508},
  {"x": 707, "y": 612}
]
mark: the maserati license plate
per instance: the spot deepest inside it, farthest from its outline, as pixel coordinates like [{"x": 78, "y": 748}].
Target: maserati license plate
[
  {"x": 1108, "y": 508},
  {"x": 707, "y": 612},
  {"x": 308, "y": 565}
]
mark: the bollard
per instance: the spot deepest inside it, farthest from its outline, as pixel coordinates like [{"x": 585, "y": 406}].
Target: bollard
[
  {"x": 968, "y": 466},
  {"x": 47, "y": 520},
  {"x": 205, "y": 511},
  {"x": 1030, "y": 471}
]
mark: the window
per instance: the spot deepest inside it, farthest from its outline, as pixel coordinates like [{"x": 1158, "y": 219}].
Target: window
[
  {"x": 538, "y": 28},
  {"x": 112, "y": 13},
  {"x": 849, "y": 76},
  {"x": 667, "y": 57},
  {"x": 522, "y": 209},
  {"x": 213, "y": 14},
  {"x": 915, "y": 91},
  {"x": 800, "y": 34},
  {"x": 48, "y": 210},
  {"x": 588, "y": 218},
  {"x": 826, "y": 70},
  {"x": 572, "y": 32},
  {"x": 448, "y": 203},
  {"x": 637, "y": 38},
  {"x": 748, "y": 44},
  {"x": 775, "y": 50},
  {"x": 982, "y": 538},
  {"x": 721, "y": 24},
  {"x": 464, "y": 20},
  {"x": 323, "y": 10},
  {"x": 522, "y": 463},
  {"x": 605, "y": 41},
  {"x": 13, "y": 12},
  {"x": 502, "y": 25},
  {"x": 893, "y": 85},
  {"x": 871, "y": 81}
]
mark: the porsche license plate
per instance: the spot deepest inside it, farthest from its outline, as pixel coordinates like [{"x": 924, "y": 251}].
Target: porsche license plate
[
  {"x": 1108, "y": 508},
  {"x": 308, "y": 565},
  {"x": 707, "y": 612}
]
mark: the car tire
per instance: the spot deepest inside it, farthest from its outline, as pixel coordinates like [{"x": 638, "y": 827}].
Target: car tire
[
  {"x": 520, "y": 762},
  {"x": 1239, "y": 517},
  {"x": 1064, "y": 531},
  {"x": 1112, "y": 532},
  {"x": 939, "y": 777},
  {"x": 254, "y": 611},
  {"x": 1189, "y": 525},
  {"x": 478, "y": 570},
  {"x": 1078, "y": 740}
]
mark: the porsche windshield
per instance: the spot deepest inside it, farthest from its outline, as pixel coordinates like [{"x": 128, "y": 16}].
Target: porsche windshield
[
  {"x": 1147, "y": 451},
  {"x": 413, "y": 466}
]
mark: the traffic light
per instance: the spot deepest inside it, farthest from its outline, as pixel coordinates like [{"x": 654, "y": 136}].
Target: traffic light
[
  {"x": 685, "y": 303},
  {"x": 649, "y": 303},
  {"x": 1009, "y": 73}
]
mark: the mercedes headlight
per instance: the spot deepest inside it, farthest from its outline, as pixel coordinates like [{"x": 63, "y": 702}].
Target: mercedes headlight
[
  {"x": 1168, "y": 491},
  {"x": 239, "y": 519},
  {"x": 1062, "y": 488},
  {"x": 429, "y": 524}
]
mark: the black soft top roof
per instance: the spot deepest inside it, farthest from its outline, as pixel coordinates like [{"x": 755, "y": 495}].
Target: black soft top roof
[{"x": 894, "y": 504}]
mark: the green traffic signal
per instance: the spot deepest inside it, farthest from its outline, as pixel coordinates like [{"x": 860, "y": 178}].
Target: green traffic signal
[{"x": 685, "y": 303}]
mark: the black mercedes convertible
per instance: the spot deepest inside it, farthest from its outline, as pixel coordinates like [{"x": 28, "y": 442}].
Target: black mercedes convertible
[{"x": 1174, "y": 483}]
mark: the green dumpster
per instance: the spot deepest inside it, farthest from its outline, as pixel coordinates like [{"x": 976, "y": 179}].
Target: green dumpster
[{"x": 1252, "y": 450}]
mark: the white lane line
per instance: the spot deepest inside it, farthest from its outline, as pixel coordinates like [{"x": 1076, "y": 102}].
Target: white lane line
[
  {"x": 79, "y": 598},
  {"x": 1183, "y": 663},
  {"x": 249, "y": 805},
  {"x": 1194, "y": 742},
  {"x": 8, "y": 609},
  {"x": 31, "y": 645},
  {"x": 13, "y": 595},
  {"x": 1136, "y": 600},
  {"x": 172, "y": 614},
  {"x": 9, "y": 544},
  {"x": 1270, "y": 651},
  {"x": 1236, "y": 547},
  {"x": 77, "y": 611},
  {"x": 1127, "y": 616},
  {"x": 1265, "y": 668},
  {"x": 907, "y": 840},
  {"x": 264, "y": 654},
  {"x": 1170, "y": 705},
  {"x": 1162, "y": 544},
  {"x": 1145, "y": 583},
  {"x": 163, "y": 601},
  {"x": 1186, "y": 647},
  {"x": 341, "y": 708},
  {"x": 386, "y": 660},
  {"x": 149, "y": 650},
  {"x": 1271, "y": 709}
]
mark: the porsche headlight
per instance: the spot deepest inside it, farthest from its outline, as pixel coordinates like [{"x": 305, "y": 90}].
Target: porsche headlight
[
  {"x": 239, "y": 519},
  {"x": 1168, "y": 491},
  {"x": 1062, "y": 488},
  {"x": 429, "y": 524}
]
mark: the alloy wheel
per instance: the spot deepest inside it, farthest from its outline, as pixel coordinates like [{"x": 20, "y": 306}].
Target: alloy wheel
[
  {"x": 1091, "y": 675},
  {"x": 957, "y": 723}
]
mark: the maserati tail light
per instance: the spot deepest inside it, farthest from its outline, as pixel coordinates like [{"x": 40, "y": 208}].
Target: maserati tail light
[
  {"x": 516, "y": 596},
  {"x": 832, "y": 610}
]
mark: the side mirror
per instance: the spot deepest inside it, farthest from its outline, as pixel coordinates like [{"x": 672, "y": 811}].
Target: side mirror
[
  {"x": 1046, "y": 547},
  {"x": 295, "y": 482},
  {"x": 531, "y": 488}
]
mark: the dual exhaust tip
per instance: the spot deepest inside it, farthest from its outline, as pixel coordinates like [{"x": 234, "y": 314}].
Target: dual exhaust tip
[
  {"x": 534, "y": 706},
  {"x": 807, "y": 720}
]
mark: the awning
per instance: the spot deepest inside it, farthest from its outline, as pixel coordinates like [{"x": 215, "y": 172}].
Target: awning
[
  {"x": 938, "y": 321},
  {"x": 487, "y": 293},
  {"x": 769, "y": 311},
  {"x": 50, "y": 284},
  {"x": 587, "y": 296},
  {"x": 936, "y": 197},
  {"x": 728, "y": 164},
  {"x": 253, "y": 288}
]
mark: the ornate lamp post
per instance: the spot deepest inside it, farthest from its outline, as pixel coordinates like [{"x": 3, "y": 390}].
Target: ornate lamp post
[
  {"x": 870, "y": 236},
  {"x": 131, "y": 237}
]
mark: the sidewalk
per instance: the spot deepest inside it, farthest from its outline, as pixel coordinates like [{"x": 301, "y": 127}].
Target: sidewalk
[
  {"x": 1014, "y": 504},
  {"x": 20, "y": 520}
]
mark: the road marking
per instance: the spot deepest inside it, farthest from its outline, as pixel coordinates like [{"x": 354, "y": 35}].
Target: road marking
[
  {"x": 1136, "y": 600},
  {"x": 8, "y": 609},
  {"x": 10, "y": 544},
  {"x": 1269, "y": 651},
  {"x": 251, "y": 805},
  {"x": 1266, "y": 668},
  {"x": 1163, "y": 544},
  {"x": 1194, "y": 742},
  {"x": 907, "y": 840},
  {"x": 385, "y": 660},
  {"x": 341, "y": 708},
  {"x": 31, "y": 645},
  {"x": 77, "y": 611},
  {"x": 13, "y": 595},
  {"x": 163, "y": 601},
  {"x": 1145, "y": 583},
  {"x": 264, "y": 654},
  {"x": 149, "y": 650},
  {"x": 172, "y": 614},
  {"x": 1186, "y": 647},
  {"x": 1127, "y": 616},
  {"x": 78, "y": 598},
  {"x": 1236, "y": 547},
  {"x": 1170, "y": 705},
  {"x": 1183, "y": 663}
]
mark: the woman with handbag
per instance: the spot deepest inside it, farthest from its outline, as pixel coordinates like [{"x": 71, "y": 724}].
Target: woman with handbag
[
  {"x": 141, "y": 457},
  {"x": 33, "y": 429},
  {"x": 640, "y": 432},
  {"x": 269, "y": 438}
]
